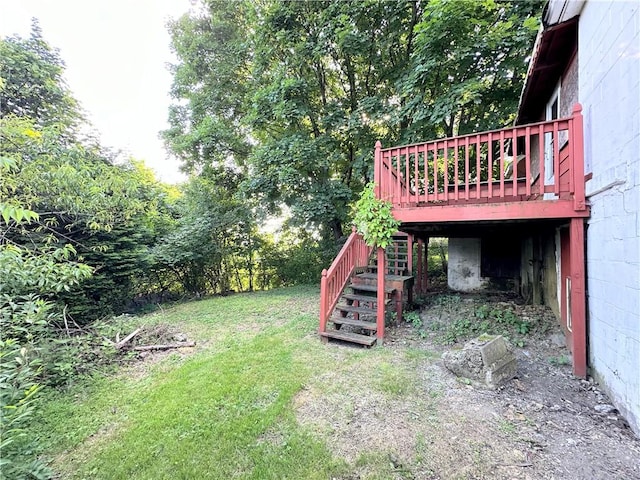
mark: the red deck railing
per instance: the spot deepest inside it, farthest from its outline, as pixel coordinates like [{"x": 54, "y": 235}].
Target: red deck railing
[
  {"x": 527, "y": 162},
  {"x": 354, "y": 253}
]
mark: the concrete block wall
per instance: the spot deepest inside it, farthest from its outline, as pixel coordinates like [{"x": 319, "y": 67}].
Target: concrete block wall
[
  {"x": 463, "y": 273},
  {"x": 609, "y": 77}
]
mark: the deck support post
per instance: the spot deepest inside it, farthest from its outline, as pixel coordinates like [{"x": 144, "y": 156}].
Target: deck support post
[
  {"x": 377, "y": 170},
  {"x": 419, "y": 288},
  {"x": 425, "y": 280},
  {"x": 410, "y": 254},
  {"x": 381, "y": 295},
  {"x": 578, "y": 297}
]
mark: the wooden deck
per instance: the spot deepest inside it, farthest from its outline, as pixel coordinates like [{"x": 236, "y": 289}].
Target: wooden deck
[
  {"x": 500, "y": 170},
  {"x": 521, "y": 173}
]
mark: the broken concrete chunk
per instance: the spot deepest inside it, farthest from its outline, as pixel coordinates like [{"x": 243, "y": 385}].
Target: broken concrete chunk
[
  {"x": 487, "y": 359},
  {"x": 604, "y": 408}
]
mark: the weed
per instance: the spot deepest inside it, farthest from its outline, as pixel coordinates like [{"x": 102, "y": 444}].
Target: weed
[
  {"x": 485, "y": 318},
  {"x": 447, "y": 301},
  {"x": 394, "y": 380},
  {"x": 417, "y": 354},
  {"x": 560, "y": 360},
  {"x": 413, "y": 318},
  {"x": 507, "y": 427}
]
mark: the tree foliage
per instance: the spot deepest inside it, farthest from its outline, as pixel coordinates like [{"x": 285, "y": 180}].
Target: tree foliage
[
  {"x": 213, "y": 246},
  {"x": 297, "y": 93},
  {"x": 32, "y": 83}
]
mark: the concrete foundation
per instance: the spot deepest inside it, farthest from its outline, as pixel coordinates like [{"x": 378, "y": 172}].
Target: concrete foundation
[{"x": 463, "y": 274}]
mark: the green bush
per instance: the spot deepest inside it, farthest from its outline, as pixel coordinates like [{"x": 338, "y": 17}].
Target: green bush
[{"x": 18, "y": 392}]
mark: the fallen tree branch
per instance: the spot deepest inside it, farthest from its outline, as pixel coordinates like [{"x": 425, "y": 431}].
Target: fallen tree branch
[
  {"x": 167, "y": 346},
  {"x": 127, "y": 339}
]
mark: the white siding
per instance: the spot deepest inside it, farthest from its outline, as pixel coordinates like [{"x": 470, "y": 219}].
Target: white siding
[{"x": 609, "y": 76}]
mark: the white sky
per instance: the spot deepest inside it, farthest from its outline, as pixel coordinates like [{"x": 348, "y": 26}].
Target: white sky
[{"x": 116, "y": 53}]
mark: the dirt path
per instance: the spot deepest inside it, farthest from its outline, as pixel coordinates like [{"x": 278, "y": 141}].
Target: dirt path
[{"x": 396, "y": 412}]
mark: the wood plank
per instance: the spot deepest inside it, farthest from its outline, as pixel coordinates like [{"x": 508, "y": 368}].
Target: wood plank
[
  {"x": 359, "y": 310},
  {"x": 363, "y": 287},
  {"x": 349, "y": 337},
  {"x": 362, "y": 298},
  {"x": 354, "y": 323},
  {"x": 489, "y": 211},
  {"x": 389, "y": 278}
]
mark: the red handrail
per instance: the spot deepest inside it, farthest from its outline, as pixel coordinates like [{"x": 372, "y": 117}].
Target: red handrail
[
  {"x": 354, "y": 253},
  {"x": 500, "y": 165}
]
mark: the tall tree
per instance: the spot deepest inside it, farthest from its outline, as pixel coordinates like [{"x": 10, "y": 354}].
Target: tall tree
[
  {"x": 32, "y": 83},
  {"x": 212, "y": 249},
  {"x": 306, "y": 88},
  {"x": 467, "y": 67},
  {"x": 211, "y": 82}
]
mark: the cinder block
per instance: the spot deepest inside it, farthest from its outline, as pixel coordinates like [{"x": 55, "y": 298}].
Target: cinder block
[
  {"x": 632, "y": 250},
  {"x": 631, "y": 199},
  {"x": 632, "y": 303},
  {"x": 628, "y": 222},
  {"x": 615, "y": 250},
  {"x": 630, "y": 273}
]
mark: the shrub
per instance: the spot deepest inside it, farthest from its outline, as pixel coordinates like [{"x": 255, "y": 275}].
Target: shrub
[{"x": 18, "y": 392}]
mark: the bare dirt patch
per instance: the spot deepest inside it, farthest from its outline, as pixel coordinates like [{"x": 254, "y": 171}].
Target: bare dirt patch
[{"x": 396, "y": 412}]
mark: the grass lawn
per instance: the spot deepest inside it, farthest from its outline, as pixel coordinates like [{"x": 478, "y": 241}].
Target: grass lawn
[
  {"x": 260, "y": 397},
  {"x": 224, "y": 411}
]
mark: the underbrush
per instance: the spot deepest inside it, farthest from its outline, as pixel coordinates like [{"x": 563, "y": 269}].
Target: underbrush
[{"x": 453, "y": 318}]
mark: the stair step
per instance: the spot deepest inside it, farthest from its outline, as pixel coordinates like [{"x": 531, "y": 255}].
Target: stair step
[
  {"x": 402, "y": 265},
  {"x": 350, "y": 337},
  {"x": 390, "y": 270},
  {"x": 360, "y": 298},
  {"x": 354, "y": 323},
  {"x": 360, "y": 310},
  {"x": 374, "y": 276},
  {"x": 369, "y": 288}
]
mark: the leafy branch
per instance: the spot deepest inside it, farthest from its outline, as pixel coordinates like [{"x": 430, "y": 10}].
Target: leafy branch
[{"x": 373, "y": 218}]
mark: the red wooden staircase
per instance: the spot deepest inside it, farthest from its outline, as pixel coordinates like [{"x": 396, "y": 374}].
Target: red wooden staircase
[{"x": 353, "y": 288}]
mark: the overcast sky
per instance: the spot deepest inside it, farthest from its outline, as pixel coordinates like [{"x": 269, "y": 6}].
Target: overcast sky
[{"x": 116, "y": 52}]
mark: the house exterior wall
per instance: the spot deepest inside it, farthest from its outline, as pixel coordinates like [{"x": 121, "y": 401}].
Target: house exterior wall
[
  {"x": 463, "y": 274},
  {"x": 569, "y": 85},
  {"x": 609, "y": 79},
  {"x": 569, "y": 88}
]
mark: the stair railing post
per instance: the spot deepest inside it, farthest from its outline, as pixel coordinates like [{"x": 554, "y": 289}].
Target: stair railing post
[
  {"x": 323, "y": 301},
  {"x": 381, "y": 295},
  {"x": 377, "y": 169},
  {"x": 577, "y": 134}
]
